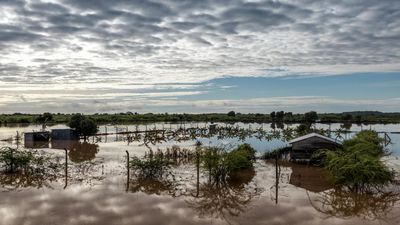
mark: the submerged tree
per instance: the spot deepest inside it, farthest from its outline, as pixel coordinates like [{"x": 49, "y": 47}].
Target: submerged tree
[
  {"x": 310, "y": 117},
  {"x": 358, "y": 166},
  {"x": 221, "y": 164},
  {"x": 84, "y": 125}
]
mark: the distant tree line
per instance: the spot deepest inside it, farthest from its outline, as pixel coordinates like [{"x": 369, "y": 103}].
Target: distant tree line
[{"x": 232, "y": 116}]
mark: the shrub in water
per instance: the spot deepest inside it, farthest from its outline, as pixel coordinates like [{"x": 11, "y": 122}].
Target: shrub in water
[
  {"x": 242, "y": 157},
  {"x": 221, "y": 164},
  {"x": 14, "y": 160},
  {"x": 151, "y": 167},
  {"x": 357, "y": 165}
]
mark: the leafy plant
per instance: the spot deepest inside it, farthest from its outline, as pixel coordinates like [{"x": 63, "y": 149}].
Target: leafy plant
[
  {"x": 14, "y": 160},
  {"x": 151, "y": 167},
  {"x": 242, "y": 157},
  {"x": 84, "y": 125},
  {"x": 357, "y": 165},
  {"x": 221, "y": 164}
]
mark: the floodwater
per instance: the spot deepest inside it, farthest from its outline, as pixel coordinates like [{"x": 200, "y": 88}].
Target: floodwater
[{"x": 95, "y": 188}]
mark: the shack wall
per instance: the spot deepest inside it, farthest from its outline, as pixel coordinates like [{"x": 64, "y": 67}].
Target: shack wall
[
  {"x": 303, "y": 150},
  {"x": 64, "y": 134}
]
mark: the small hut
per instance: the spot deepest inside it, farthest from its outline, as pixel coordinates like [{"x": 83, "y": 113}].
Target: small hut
[
  {"x": 303, "y": 147},
  {"x": 64, "y": 134}
]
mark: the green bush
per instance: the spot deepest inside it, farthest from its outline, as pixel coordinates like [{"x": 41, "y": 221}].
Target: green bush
[
  {"x": 221, "y": 164},
  {"x": 365, "y": 142},
  {"x": 357, "y": 165},
  {"x": 84, "y": 125},
  {"x": 150, "y": 168},
  {"x": 215, "y": 161},
  {"x": 242, "y": 157},
  {"x": 14, "y": 160},
  {"x": 358, "y": 172}
]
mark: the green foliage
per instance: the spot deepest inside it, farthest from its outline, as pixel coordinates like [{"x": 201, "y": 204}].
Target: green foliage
[
  {"x": 242, "y": 157},
  {"x": 151, "y": 167},
  {"x": 46, "y": 117},
  {"x": 84, "y": 125},
  {"x": 215, "y": 161},
  {"x": 357, "y": 172},
  {"x": 310, "y": 117},
  {"x": 221, "y": 164},
  {"x": 303, "y": 129},
  {"x": 358, "y": 166},
  {"x": 279, "y": 115},
  {"x": 231, "y": 113},
  {"x": 272, "y": 115},
  {"x": 14, "y": 160},
  {"x": 129, "y": 117}
]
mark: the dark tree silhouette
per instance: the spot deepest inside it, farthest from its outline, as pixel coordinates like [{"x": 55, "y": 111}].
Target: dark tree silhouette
[{"x": 85, "y": 126}]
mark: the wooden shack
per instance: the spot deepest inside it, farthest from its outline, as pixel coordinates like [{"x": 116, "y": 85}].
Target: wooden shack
[
  {"x": 64, "y": 134},
  {"x": 303, "y": 147}
]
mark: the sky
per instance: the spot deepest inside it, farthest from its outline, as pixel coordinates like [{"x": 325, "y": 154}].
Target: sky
[{"x": 194, "y": 56}]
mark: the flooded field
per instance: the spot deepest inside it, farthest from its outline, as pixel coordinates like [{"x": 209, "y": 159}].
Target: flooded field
[{"x": 94, "y": 187}]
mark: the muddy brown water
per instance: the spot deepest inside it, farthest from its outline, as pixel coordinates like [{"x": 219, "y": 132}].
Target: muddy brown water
[{"x": 95, "y": 190}]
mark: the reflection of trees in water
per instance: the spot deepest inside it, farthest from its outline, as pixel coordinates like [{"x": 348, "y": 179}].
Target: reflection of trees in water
[
  {"x": 209, "y": 199},
  {"x": 345, "y": 204},
  {"x": 279, "y": 131},
  {"x": 153, "y": 186},
  {"x": 16, "y": 181},
  {"x": 81, "y": 152},
  {"x": 222, "y": 200}
]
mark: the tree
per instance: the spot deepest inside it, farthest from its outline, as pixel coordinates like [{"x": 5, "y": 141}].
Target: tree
[
  {"x": 279, "y": 115},
  {"x": 85, "y": 126},
  {"x": 347, "y": 117},
  {"x": 231, "y": 113},
  {"x": 272, "y": 114},
  {"x": 310, "y": 117},
  {"x": 46, "y": 117},
  {"x": 358, "y": 165},
  {"x": 288, "y": 116}
]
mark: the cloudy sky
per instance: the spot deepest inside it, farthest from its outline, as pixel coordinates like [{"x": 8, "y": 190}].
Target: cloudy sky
[{"x": 199, "y": 56}]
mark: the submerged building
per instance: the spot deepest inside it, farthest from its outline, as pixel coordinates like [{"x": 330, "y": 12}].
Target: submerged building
[
  {"x": 303, "y": 147},
  {"x": 64, "y": 134},
  {"x": 37, "y": 136}
]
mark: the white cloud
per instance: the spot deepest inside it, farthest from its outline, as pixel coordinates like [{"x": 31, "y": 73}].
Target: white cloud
[{"x": 92, "y": 46}]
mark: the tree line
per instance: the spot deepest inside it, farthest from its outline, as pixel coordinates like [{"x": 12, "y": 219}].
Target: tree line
[{"x": 232, "y": 116}]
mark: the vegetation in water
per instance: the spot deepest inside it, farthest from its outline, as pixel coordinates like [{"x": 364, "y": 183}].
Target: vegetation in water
[
  {"x": 358, "y": 164},
  {"x": 84, "y": 125},
  {"x": 221, "y": 164},
  {"x": 26, "y": 161},
  {"x": 150, "y": 167}
]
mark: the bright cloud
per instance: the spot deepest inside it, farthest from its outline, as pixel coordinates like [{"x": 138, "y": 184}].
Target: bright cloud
[{"x": 96, "y": 45}]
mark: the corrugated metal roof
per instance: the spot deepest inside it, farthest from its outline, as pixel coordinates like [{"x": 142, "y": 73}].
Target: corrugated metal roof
[{"x": 314, "y": 135}]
